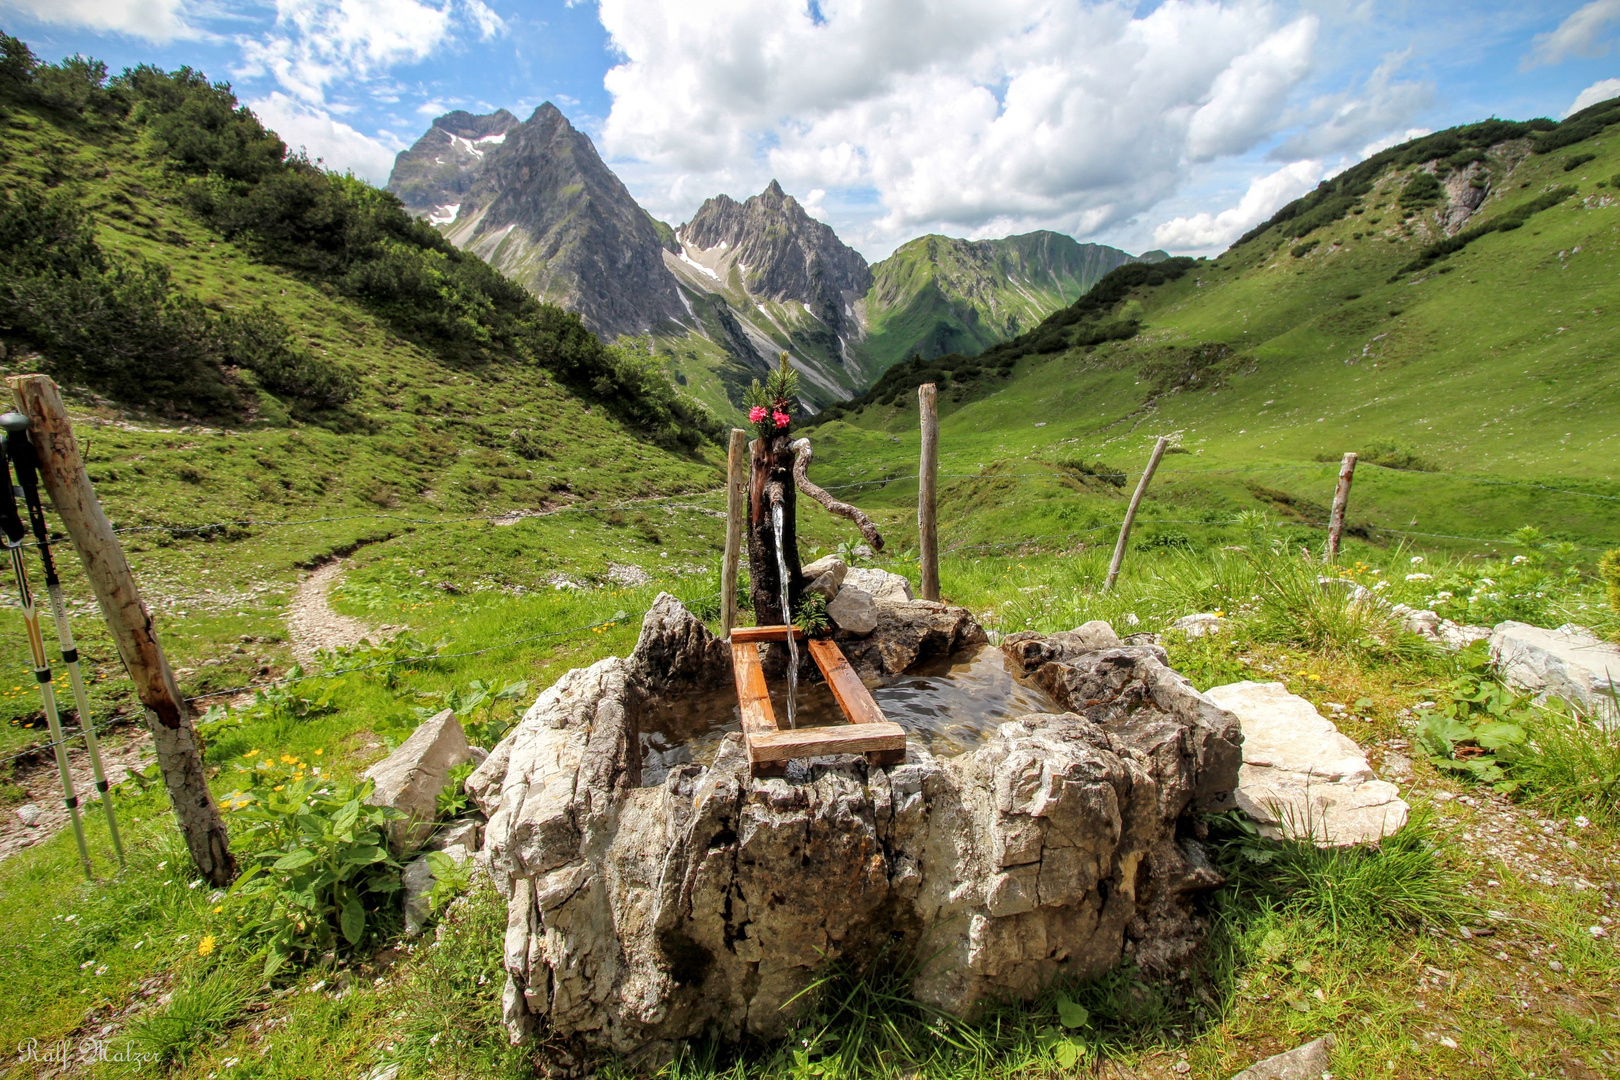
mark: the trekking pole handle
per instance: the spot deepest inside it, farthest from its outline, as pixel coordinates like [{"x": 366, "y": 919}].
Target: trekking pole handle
[{"x": 20, "y": 448}]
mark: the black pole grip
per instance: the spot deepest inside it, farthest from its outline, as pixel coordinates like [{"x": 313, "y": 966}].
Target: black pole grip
[
  {"x": 20, "y": 448},
  {"x": 10, "y": 523}
]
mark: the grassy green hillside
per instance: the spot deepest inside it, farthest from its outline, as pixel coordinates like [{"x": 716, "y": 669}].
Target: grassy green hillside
[
  {"x": 940, "y": 294},
  {"x": 428, "y": 428},
  {"x": 1351, "y": 321}
]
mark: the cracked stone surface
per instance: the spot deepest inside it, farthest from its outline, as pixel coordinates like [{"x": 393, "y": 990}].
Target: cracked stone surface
[{"x": 638, "y": 916}]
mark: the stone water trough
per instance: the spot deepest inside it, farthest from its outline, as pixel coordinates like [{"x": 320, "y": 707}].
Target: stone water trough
[{"x": 658, "y": 891}]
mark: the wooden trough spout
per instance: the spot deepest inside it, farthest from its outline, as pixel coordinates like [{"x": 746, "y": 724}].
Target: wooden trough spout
[{"x": 770, "y": 748}]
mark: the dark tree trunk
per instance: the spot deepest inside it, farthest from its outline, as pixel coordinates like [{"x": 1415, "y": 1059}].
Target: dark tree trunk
[{"x": 771, "y": 478}]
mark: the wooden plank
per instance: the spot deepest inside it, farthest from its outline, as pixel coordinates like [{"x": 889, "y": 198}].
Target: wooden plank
[
  {"x": 839, "y": 739},
  {"x": 754, "y": 702},
  {"x": 764, "y": 633},
  {"x": 753, "y": 696},
  {"x": 852, "y": 696},
  {"x": 847, "y": 688}
]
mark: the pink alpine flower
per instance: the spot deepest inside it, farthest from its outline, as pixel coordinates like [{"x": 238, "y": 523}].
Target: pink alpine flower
[
  {"x": 757, "y": 414},
  {"x": 782, "y": 419}
]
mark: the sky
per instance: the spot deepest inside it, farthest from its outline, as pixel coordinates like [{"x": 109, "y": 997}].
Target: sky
[{"x": 1174, "y": 125}]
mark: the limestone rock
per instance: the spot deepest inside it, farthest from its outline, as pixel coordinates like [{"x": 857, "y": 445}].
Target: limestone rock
[
  {"x": 826, "y": 585},
  {"x": 678, "y": 649},
  {"x": 1029, "y": 649},
  {"x": 417, "y": 881},
  {"x": 1302, "y": 778},
  {"x": 1196, "y": 626},
  {"x": 1308, "y": 1062},
  {"x": 853, "y": 611},
  {"x": 642, "y": 915},
  {"x": 465, "y": 832},
  {"x": 1569, "y": 662},
  {"x": 907, "y": 632},
  {"x": 1441, "y": 631},
  {"x": 410, "y": 779},
  {"x": 29, "y": 815},
  {"x": 827, "y": 564},
  {"x": 880, "y": 584}
]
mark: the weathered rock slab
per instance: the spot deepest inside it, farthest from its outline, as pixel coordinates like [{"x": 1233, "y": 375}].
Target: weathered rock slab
[
  {"x": 638, "y": 916},
  {"x": 1196, "y": 626},
  {"x": 1570, "y": 663},
  {"x": 410, "y": 779},
  {"x": 854, "y": 611},
  {"x": 1438, "y": 629},
  {"x": 879, "y": 584},
  {"x": 1303, "y": 779},
  {"x": 1308, "y": 1062},
  {"x": 827, "y": 564}
]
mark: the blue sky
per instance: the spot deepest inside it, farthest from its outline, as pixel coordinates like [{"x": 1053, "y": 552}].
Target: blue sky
[{"x": 1175, "y": 124}]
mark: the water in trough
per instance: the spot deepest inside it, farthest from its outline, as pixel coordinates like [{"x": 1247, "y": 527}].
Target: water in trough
[{"x": 951, "y": 704}]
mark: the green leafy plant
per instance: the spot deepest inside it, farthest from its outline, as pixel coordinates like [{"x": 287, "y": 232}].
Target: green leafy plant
[
  {"x": 450, "y": 880},
  {"x": 320, "y": 874},
  {"x": 812, "y": 616},
  {"x": 453, "y": 800},
  {"x": 478, "y": 706},
  {"x": 1609, "y": 569},
  {"x": 1523, "y": 587},
  {"x": 1479, "y": 726}
]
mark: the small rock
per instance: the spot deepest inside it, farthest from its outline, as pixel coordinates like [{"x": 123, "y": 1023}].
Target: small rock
[
  {"x": 1196, "y": 626},
  {"x": 853, "y": 610},
  {"x": 1555, "y": 966},
  {"x": 1301, "y": 777},
  {"x": 1569, "y": 663},
  {"x": 383, "y": 1072},
  {"x": 410, "y": 779},
  {"x": 825, "y": 585},
  {"x": 463, "y": 832},
  {"x": 29, "y": 814},
  {"x": 880, "y": 585},
  {"x": 417, "y": 882},
  {"x": 862, "y": 551},
  {"x": 1306, "y": 1062},
  {"x": 827, "y": 564}
]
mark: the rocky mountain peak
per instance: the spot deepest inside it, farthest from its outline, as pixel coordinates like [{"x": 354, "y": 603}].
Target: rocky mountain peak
[
  {"x": 535, "y": 199},
  {"x": 784, "y": 253}
]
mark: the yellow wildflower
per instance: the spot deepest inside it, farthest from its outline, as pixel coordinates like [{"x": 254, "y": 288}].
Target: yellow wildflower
[
  {"x": 251, "y": 753},
  {"x": 278, "y": 787},
  {"x": 319, "y": 752},
  {"x": 206, "y": 945},
  {"x": 219, "y": 909}
]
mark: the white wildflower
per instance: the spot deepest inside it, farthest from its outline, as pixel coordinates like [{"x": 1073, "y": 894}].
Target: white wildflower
[
  {"x": 1419, "y": 577},
  {"x": 1416, "y": 559}
]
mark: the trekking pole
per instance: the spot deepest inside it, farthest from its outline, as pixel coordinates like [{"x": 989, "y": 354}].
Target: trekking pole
[
  {"x": 21, "y": 451},
  {"x": 12, "y": 527}
]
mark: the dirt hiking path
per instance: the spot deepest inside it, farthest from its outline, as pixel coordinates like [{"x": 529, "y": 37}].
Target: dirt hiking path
[{"x": 312, "y": 625}]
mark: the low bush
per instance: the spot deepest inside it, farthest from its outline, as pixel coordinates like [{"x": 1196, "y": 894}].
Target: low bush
[{"x": 319, "y": 876}]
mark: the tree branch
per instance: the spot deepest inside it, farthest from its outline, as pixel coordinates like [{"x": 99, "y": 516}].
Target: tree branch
[{"x": 801, "y": 465}]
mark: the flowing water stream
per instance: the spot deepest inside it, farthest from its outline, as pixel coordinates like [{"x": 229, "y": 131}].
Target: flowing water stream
[{"x": 787, "y": 616}]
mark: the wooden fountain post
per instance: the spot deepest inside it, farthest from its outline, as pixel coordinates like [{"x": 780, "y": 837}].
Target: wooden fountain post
[{"x": 770, "y": 478}]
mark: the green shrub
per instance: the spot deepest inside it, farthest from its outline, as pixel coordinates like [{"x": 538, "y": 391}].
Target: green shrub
[
  {"x": 260, "y": 340},
  {"x": 1576, "y": 161},
  {"x": 1609, "y": 568},
  {"x": 1302, "y": 250},
  {"x": 1420, "y": 191},
  {"x": 319, "y": 875}
]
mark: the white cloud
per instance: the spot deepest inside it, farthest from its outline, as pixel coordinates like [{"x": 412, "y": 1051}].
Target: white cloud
[
  {"x": 154, "y": 20},
  {"x": 1579, "y": 35},
  {"x": 1602, "y": 90},
  {"x": 318, "y": 42},
  {"x": 314, "y": 130},
  {"x": 1206, "y": 232},
  {"x": 1341, "y": 123},
  {"x": 974, "y": 115},
  {"x": 1392, "y": 140}
]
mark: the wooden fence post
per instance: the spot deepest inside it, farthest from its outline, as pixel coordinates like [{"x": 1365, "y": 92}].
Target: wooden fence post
[
  {"x": 1130, "y": 512},
  {"x": 129, "y": 622},
  {"x": 736, "y": 512},
  {"x": 1341, "y": 503},
  {"x": 927, "y": 473}
]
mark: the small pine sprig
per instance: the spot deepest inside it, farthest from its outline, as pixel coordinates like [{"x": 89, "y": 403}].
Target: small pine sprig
[{"x": 771, "y": 407}]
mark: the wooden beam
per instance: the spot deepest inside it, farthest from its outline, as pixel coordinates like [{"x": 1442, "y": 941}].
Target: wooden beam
[
  {"x": 754, "y": 701},
  {"x": 129, "y": 624},
  {"x": 852, "y": 695},
  {"x": 1130, "y": 513},
  {"x": 751, "y": 634},
  {"x": 927, "y": 474},
  {"x": 1341, "y": 502},
  {"x": 816, "y": 741},
  {"x": 736, "y": 521}
]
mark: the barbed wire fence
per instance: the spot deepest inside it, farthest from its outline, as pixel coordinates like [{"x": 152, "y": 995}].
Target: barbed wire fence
[{"x": 710, "y": 502}]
